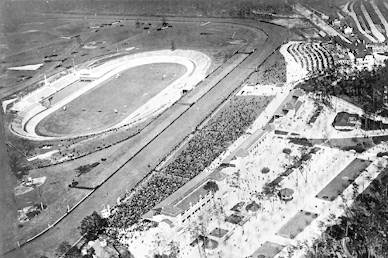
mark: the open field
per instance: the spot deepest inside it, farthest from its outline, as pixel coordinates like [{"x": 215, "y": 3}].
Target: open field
[
  {"x": 7, "y": 201},
  {"x": 343, "y": 180},
  {"x": 57, "y": 53},
  {"x": 47, "y": 46},
  {"x": 217, "y": 8},
  {"x": 112, "y": 101},
  {"x": 297, "y": 224},
  {"x": 267, "y": 250}
]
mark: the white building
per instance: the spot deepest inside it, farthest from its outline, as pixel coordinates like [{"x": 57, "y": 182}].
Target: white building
[
  {"x": 346, "y": 122},
  {"x": 336, "y": 23},
  {"x": 348, "y": 30},
  {"x": 186, "y": 203},
  {"x": 88, "y": 75}
]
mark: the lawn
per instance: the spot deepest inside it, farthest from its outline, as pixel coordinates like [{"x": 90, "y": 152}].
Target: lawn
[
  {"x": 297, "y": 224},
  {"x": 95, "y": 109},
  {"x": 343, "y": 180},
  {"x": 267, "y": 250}
]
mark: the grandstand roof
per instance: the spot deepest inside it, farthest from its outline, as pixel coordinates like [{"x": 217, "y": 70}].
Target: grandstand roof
[
  {"x": 188, "y": 193},
  {"x": 345, "y": 119}
]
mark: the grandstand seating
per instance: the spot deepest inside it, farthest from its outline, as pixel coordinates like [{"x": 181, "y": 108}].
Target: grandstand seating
[{"x": 312, "y": 56}]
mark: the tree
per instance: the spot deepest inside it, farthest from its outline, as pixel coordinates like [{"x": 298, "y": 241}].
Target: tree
[
  {"x": 92, "y": 226},
  {"x": 287, "y": 151},
  {"x": 90, "y": 253},
  {"x": 66, "y": 250},
  {"x": 265, "y": 170},
  {"x": 363, "y": 229},
  {"x": 73, "y": 252},
  {"x": 174, "y": 249},
  {"x": 62, "y": 248},
  {"x": 211, "y": 186}
]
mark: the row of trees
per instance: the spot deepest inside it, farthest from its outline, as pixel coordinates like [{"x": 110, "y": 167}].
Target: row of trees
[
  {"x": 363, "y": 230},
  {"x": 363, "y": 88}
]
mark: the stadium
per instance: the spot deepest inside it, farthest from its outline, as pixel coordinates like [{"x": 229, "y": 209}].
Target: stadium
[{"x": 106, "y": 94}]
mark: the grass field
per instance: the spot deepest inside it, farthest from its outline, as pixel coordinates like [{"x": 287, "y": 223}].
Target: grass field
[
  {"x": 95, "y": 110},
  {"x": 297, "y": 224},
  {"x": 44, "y": 43},
  {"x": 40, "y": 39},
  {"x": 155, "y": 7},
  {"x": 343, "y": 180},
  {"x": 267, "y": 250}
]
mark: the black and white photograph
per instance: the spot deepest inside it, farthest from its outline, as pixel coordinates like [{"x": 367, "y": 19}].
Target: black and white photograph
[{"x": 194, "y": 128}]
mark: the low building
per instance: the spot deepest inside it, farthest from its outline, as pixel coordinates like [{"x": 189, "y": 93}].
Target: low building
[
  {"x": 186, "y": 203},
  {"x": 346, "y": 122},
  {"x": 368, "y": 61},
  {"x": 88, "y": 75},
  {"x": 336, "y": 22},
  {"x": 324, "y": 17},
  {"x": 379, "y": 48},
  {"x": 348, "y": 30},
  {"x": 322, "y": 33}
]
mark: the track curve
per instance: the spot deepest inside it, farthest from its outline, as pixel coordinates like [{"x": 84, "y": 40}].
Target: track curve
[{"x": 195, "y": 62}]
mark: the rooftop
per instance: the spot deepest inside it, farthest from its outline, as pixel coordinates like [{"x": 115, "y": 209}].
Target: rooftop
[
  {"x": 188, "y": 194},
  {"x": 345, "y": 119}
]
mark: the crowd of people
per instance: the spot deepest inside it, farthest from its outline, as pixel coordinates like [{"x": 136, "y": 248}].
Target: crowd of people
[
  {"x": 207, "y": 144},
  {"x": 211, "y": 140},
  {"x": 157, "y": 187}
]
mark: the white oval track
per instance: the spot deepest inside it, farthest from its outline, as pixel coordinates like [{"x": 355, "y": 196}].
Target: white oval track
[{"x": 32, "y": 112}]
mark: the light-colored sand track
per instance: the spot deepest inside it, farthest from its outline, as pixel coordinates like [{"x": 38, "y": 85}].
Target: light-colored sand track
[{"x": 31, "y": 111}]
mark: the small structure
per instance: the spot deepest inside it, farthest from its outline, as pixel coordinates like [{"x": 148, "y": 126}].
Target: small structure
[
  {"x": 286, "y": 194},
  {"x": 336, "y": 22},
  {"x": 367, "y": 61},
  {"x": 87, "y": 75},
  {"x": 324, "y": 17},
  {"x": 322, "y": 33},
  {"x": 297, "y": 93},
  {"x": 237, "y": 207},
  {"x": 235, "y": 219},
  {"x": 186, "y": 203},
  {"x": 346, "y": 122},
  {"x": 219, "y": 232},
  {"x": 288, "y": 106},
  {"x": 106, "y": 212},
  {"x": 253, "y": 207},
  {"x": 210, "y": 243},
  {"x": 102, "y": 248},
  {"x": 348, "y": 30}
]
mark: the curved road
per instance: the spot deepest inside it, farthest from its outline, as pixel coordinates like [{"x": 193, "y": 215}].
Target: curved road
[{"x": 195, "y": 72}]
